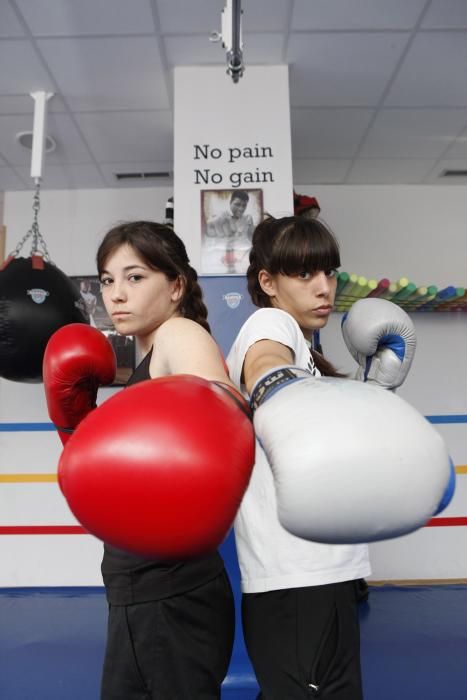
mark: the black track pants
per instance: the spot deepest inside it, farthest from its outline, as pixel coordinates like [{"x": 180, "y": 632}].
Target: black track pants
[
  {"x": 305, "y": 642},
  {"x": 178, "y": 648}
]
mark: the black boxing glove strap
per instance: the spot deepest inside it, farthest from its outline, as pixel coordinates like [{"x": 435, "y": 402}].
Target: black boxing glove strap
[
  {"x": 273, "y": 381},
  {"x": 68, "y": 431}
]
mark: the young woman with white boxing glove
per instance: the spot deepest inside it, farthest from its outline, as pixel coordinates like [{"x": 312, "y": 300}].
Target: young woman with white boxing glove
[{"x": 338, "y": 463}]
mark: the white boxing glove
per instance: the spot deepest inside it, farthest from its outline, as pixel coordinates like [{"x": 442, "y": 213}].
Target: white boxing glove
[
  {"x": 381, "y": 337},
  {"x": 351, "y": 462}
]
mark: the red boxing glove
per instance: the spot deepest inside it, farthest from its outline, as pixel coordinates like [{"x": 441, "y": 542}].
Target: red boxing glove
[
  {"x": 77, "y": 360},
  {"x": 160, "y": 468}
]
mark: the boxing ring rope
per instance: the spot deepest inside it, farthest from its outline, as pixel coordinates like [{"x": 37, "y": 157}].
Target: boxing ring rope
[{"x": 51, "y": 477}]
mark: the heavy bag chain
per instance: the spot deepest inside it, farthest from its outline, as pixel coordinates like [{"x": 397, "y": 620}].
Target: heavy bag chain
[{"x": 38, "y": 243}]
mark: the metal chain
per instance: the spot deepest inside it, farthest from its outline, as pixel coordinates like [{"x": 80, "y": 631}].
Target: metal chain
[{"x": 37, "y": 239}]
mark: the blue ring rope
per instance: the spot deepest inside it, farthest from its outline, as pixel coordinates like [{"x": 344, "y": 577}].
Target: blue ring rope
[{"x": 49, "y": 427}]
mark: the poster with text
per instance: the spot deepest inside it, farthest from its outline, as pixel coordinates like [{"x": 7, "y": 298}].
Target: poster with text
[{"x": 232, "y": 161}]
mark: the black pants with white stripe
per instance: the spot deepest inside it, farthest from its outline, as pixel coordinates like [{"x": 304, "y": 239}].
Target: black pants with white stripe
[{"x": 305, "y": 642}]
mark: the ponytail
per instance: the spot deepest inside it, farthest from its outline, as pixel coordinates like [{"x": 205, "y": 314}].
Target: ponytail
[{"x": 325, "y": 367}]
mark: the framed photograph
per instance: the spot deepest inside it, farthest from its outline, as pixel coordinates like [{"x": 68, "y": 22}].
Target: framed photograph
[
  {"x": 228, "y": 219},
  {"x": 125, "y": 347}
]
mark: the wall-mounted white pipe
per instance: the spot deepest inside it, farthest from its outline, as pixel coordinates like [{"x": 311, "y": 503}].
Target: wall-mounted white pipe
[{"x": 38, "y": 138}]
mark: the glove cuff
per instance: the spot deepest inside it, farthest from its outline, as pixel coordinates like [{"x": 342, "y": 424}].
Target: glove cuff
[{"x": 273, "y": 381}]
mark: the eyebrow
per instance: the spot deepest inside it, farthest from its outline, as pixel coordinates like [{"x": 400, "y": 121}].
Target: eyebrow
[{"x": 127, "y": 269}]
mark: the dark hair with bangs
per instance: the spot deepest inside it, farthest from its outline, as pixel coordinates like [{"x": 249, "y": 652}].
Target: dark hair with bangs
[
  {"x": 162, "y": 250},
  {"x": 289, "y": 246}
]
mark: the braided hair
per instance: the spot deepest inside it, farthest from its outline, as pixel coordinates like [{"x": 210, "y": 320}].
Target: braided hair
[{"x": 160, "y": 247}]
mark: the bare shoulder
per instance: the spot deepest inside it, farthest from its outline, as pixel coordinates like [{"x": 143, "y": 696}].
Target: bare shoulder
[
  {"x": 179, "y": 329},
  {"x": 187, "y": 348}
]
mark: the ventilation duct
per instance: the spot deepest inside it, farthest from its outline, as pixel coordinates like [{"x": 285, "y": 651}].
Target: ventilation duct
[
  {"x": 454, "y": 173},
  {"x": 142, "y": 176}
]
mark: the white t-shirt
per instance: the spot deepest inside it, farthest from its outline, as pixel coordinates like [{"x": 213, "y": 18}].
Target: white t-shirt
[{"x": 270, "y": 558}]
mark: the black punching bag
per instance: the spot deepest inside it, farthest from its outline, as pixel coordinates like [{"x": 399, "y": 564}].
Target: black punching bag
[{"x": 36, "y": 298}]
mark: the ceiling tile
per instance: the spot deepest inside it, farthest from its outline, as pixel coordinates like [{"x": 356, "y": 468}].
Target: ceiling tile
[
  {"x": 70, "y": 145},
  {"x": 328, "y": 133},
  {"x": 265, "y": 15},
  {"x": 262, "y": 48},
  {"x": 342, "y": 55},
  {"x": 319, "y": 171},
  {"x": 186, "y": 50},
  {"x": 202, "y": 16},
  {"x": 356, "y": 14},
  {"x": 10, "y": 26},
  {"x": 26, "y": 73},
  {"x": 109, "y": 170},
  {"x": 24, "y": 104},
  {"x": 67, "y": 177},
  {"x": 433, "y": 72},
  {"x": 9, "y": 180},
  {"x": 444, "y": 14},
  {"x": 78, "y": 17},
  {"x": 98, "y": 74},
  {"x": 129, "y": 136},
  {"x": 189, "y": 50},
  {"x": 458, "y": 148},
  {"x": 396, "y": 171},
  {"x": 334, "y": 69},
  {"x": 412, "y": 133}
]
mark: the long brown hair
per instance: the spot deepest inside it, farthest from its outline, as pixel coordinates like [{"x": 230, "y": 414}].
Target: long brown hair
[
  {"x": 161, "y": 249},
  {"x": 289, "y": 246}
]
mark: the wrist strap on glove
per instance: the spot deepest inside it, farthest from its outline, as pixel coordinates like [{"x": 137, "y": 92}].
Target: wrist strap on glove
[
  {"x": 70, "y": 431},
  {"x": 67, "y": 431},
  {"x": 273, "y": 381}
]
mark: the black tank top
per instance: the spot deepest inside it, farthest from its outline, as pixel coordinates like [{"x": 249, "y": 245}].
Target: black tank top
[{"x": 133, "y": 579}]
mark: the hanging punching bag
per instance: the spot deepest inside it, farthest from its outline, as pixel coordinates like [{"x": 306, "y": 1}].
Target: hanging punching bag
[{"x": 36, "y": 298}]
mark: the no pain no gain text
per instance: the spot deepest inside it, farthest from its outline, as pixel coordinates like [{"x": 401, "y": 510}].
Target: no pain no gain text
[{"x": 231, "y": 154}]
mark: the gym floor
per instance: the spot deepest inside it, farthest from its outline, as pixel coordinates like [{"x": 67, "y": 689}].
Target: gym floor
[{"x": 414, "y": 645}]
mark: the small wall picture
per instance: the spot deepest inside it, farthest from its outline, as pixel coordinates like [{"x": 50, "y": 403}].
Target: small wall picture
[
  {"x": 124, "y": 346},
  {"x": 228, "y": 219}
]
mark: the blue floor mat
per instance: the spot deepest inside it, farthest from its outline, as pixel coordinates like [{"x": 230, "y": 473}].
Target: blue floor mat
[{"x": 414, "y": 645}]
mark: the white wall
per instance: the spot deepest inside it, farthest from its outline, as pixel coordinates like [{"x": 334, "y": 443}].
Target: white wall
[
  {"x": 417, "y": 232},
  {"x": 391, "y": 232}
]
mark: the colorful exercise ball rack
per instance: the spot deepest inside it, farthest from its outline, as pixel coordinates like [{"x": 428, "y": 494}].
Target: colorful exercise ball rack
[{"x": 406, "y": 294}]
